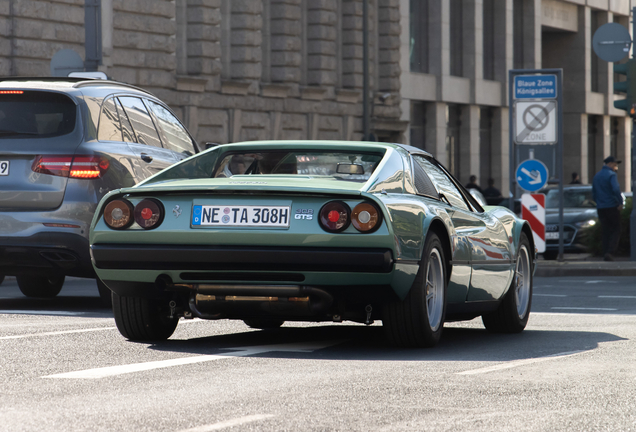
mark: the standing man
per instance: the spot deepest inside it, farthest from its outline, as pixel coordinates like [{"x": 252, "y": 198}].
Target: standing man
[{"x": 609, "y": 203}]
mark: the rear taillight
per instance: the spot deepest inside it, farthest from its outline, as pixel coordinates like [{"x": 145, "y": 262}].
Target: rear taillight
[
  {"x": 82, "y": 167},
  {"x": 335, "y": 216},
  {"x": 118, "y": 214},
  {"x": 365, "y": 217},
  {"x": 149, "y": 213}
]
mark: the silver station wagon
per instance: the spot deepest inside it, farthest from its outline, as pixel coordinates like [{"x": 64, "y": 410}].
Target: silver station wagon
[{"x": 64, "y": 144}]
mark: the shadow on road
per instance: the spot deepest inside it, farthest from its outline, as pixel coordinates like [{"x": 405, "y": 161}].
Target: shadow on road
[{"x": 345, "y": 342}]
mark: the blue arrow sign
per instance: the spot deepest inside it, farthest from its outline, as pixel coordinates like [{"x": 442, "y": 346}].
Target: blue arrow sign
[{"x": 531, "y": 175}]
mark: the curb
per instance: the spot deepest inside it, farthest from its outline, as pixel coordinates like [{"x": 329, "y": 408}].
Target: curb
[{"x": 586, "y": 268}]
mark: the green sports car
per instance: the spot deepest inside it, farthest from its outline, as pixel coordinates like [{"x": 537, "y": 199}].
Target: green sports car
[{"x": 268, "y": 232}]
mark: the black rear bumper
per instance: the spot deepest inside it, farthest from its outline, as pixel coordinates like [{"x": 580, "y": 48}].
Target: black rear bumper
[
  {"x": 244, "y": 258},
  {"x": 46, "y": 254}
]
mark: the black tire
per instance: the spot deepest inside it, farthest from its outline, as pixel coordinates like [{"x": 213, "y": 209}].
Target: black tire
[
  {"x": 105, "y": 294},
  {"x": 418, "y": 320},
  {"x": 263, "y": 323},
  {"x": 143, "y": 320},
  {"x": 512, "y": 314},
  {"x": 40, "y": 286},
  {"x": 550, "y": 255}
]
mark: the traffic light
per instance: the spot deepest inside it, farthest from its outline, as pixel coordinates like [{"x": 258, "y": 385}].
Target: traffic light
[{"x": 628, "y": 86}]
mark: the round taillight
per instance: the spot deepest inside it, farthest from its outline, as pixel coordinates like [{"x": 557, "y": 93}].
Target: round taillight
[
  {"x": 149, "y": 213},
  {"x": 118, "y": 214},
  {"x": 366, "y": 217},
  {"x": 335, "y": 216}
]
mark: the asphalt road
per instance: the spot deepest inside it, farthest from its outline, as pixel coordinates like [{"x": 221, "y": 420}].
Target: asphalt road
[{"x": 64, "y": 367}]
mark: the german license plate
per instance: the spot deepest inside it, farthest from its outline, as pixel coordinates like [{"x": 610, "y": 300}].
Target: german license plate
[
  {"x": 241, "y": 216},
  {"x": 4, "y": 167},
  {"x": 552, "y": 236}
]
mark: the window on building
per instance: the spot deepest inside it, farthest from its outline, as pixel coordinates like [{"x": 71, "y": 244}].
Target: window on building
[
  {"x": 594, "y": 75},
  {"x": 456, "y": 38},
  {"x": 226, "y": 39},
  {"x": 418, "y": 24},
  {"x": 266, "y": 43},
  {"x": 592, "y": 139},
  {"x": 489, "y": 39},
  {"x": 418, "y": 124},
  {"x": 485, "y": 144},
  {"x": 453, "y": 124},
  {"x": 518, "y": 39}
]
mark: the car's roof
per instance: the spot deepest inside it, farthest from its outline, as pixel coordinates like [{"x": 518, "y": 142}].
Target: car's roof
[
  {"x": 330, "y": 143},
  {"x": 67, "y": 84}
]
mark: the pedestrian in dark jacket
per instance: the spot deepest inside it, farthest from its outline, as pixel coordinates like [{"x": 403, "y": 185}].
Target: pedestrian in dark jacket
[{"x": 609, "y": 203}]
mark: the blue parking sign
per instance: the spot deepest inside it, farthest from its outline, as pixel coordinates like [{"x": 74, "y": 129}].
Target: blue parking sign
[{"x": 531, "y": 175}]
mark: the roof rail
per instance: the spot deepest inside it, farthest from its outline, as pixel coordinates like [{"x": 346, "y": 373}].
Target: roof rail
[{"x": 79, "y": 81}]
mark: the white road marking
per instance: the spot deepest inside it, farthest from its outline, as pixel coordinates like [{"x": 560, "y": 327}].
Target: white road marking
[
  {"x": 549, "y": 295},
  {"x": 240, "y": 352},
  {"x": 40, "y": 312},
  {"x": 229, "y": 423},
  {"x": 517, "y": 363},
  {"x": 618, "y": 297},
  {"x": 600, "y": 281},
  {"x": 61, "y": 332},
  {"x": 582, "y": 308}
]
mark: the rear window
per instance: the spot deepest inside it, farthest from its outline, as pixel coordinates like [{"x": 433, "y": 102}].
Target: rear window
[
  {"x": 341, "y": 165},
  {"x": 35, "y": 113}
]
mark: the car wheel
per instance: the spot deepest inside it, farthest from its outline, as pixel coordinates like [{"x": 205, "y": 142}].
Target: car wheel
[
  {"x": 418, "y": 320},
  {"x": 550, "y": 255},
  {"x": 263, "y": 323},
  {"x": 105, "y": 294},
  {"x": 142, "y": 319},
  {"x": 40, "y": 286},
  {"x": 514, "y": 310}
]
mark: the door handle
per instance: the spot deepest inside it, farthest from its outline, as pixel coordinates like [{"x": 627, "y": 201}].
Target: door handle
[{"x": 146, "y": 157}]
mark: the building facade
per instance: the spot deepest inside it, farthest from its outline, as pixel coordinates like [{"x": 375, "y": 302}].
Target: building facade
[
  {"x": 233, "y": 70},
  {"x": 455, "y": 60},
  {"x": 237, "y": 70}
]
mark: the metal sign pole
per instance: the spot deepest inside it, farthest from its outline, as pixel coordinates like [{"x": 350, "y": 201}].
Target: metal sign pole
[
  {"x": 559, "y": 158},
  {"x": 632, "y": 216}
]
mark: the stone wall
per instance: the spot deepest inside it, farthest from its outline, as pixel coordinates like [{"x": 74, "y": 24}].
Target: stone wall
[{"x": 231, "y": 69}]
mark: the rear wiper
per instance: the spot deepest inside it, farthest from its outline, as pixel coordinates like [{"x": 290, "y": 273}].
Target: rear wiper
[{"x": 5, "y": 132}]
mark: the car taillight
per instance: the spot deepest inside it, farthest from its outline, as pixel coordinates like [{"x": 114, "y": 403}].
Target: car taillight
[
  {"x": 366, "y": 217},
  {"x": 149, "y": 213},
  {"x": 118, "y": 214},
  {"x": 334, "y": 216},
  {"x": 83, "y": 167},
  {"x": 89, "y": 167}
]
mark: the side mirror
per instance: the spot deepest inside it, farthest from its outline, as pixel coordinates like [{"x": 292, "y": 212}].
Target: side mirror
[
  {"x": 209, "y": 145},
  {"x": 350, "y": 169}
]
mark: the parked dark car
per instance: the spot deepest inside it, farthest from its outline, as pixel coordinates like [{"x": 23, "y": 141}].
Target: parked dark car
[
  {"x": 579, "y": 215},
  {"x": 64, "y": 144}
]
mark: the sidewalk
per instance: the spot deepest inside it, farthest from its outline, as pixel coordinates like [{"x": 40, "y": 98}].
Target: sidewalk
[{"x": 585, "y": 265}]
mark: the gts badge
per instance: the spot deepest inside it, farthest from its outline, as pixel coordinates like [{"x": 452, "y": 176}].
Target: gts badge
[{"x": 307, "y": 214}]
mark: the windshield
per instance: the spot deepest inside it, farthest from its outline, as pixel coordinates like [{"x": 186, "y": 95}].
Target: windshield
[
  {"x": 340, "y": 165},
  {"x": 577, "y": 198},
  {"x": 34, "y": 113}
]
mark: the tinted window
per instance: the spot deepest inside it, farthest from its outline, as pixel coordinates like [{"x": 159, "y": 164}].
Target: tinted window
[
  {"x": 109, "y": 127},
  {"x": 340, "y": 165},
  {"x": 141, "y": 121},
  {"x": 176, "y": 137},
  {"x": 126, "y": 127},
  {"x": 443, "y": 183},
  {"x": 423, "y": 183},
  {"x": 36, "y": 113},
  {"x": 578, "y": 198}
]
